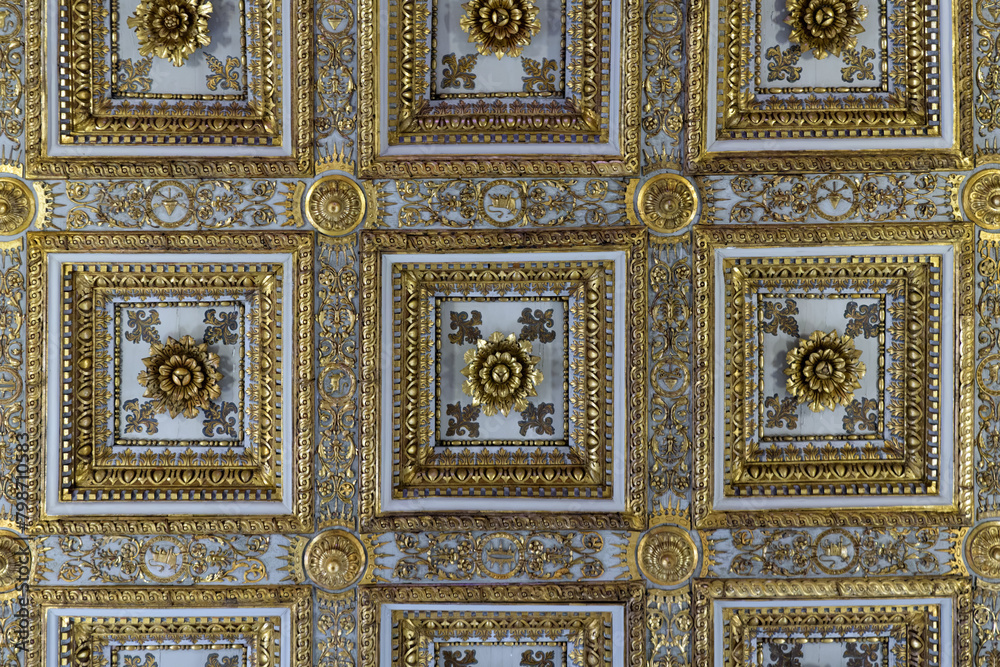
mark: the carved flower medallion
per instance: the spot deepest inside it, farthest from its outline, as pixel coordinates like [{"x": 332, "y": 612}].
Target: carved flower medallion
[
  {"x": 982, "y": 550},
  {"x": 982, "y": 198},
  {"x": 17, "y": 206},
  {"x": 181, "y": 376},
  {"x": 824, "y": 370},
  {"x": 171, "y": 29},
  {"x": 825, "y": 26},
  {"x": 667, "y": 203},
  {"x": 335, "y": 205},
  {"x": 667, "y": 556},
  {"x": 500, "y": 27},
  {"x": 15, "y": 561},
  {"x": 501, "y": 374},
  {"x": 334, "y": 559}
]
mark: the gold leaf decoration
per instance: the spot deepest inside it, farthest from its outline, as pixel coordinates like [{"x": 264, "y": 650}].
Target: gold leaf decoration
[
  {"x": 500, "y": 27},
  {"x": 825, "y": 26},
  {"x": 824, "y": 370},
  {"x": 171, "y": 29},
  {"x": 181, "y": 376},
  {"x": 501, "y": 374}
]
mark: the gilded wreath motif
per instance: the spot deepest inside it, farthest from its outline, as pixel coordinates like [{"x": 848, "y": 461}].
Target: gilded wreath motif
[
  {"x": 982, "y": 198},
  {"x": 501, "y": 374},
  {"x": 825, "y": 26},
  {"x": 500, "y": 27},
  {"x": 335, "y": 205},
  {"x": 824, "y": 370},
  {"x": 171, "y": 29},
  {"x": 667, "y": 203},
  {"x": 334, "y": 559},
  {"x": 667, "y": 556},
  {"x": 17, "y": 206},
  {"x": 181, "y": 377}
]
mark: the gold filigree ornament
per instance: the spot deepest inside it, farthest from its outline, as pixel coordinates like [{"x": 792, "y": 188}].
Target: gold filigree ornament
[
  {"x": 334, "y": 559},
  {"x": 17, "y": 206},
  {"x": 335, "y": 205},
  {"x": 667, "y": 203},
  {"x": 981, "y": 198},
  {"x": 982, "y": 550},
  {"x": 667, "y": 556},
  {"x": 501, "y": 374},
  {"x": 824, "y": 370},
  {"x": 825, "y": 26},
  {"x": 15, "y": 562},
  {"x": 171, "y": 29},
  {"x": 500, "y": 27},
  {"x": 181, "y": 376}
]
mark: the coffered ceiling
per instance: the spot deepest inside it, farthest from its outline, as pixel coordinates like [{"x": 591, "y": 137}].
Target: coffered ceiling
[{"x": 537, "y": 333}]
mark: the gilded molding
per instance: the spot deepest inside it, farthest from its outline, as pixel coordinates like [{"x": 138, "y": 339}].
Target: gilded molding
[
  {"x": 297, "y": 471},
  {"x": 335, "y": 559},
  {"x": 667, "y": 555},
  {"x": 959, "y": 511}
]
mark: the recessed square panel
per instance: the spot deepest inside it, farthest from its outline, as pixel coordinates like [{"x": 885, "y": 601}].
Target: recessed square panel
[
  {"x": 587, "y": 624},
  {"x": 507, "y": 390},
  {"x": 184, "y": 378},
  {"x": 210, "y": 627},
  {"x": 556, "y": 92},
  {"x": 882, "y": 85},
  {"x": 756, "y": 623},
  {"x": 115, "y": 87},
  {"x": 822, "y": 374}
]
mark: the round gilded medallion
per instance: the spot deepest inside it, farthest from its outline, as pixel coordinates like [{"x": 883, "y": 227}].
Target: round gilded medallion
[
  {"x": 981, "y": 198},
  {"x": 502, "y": 374},
  {"x": 982, "y": 550},
  {"x": 502, "y": 203},
  {"x": 836, "y": 551},
  {"x": 500, "y": 27},
  {"x": 171, "y": 29},
  {"x": 181, "y": 377},
  {"x": 502, "y": 555},
  {"x": 169, "y": 204},
  {"x": 17, "y": 206},
  {"x": 335, "y": 205},
  {"x": 163, "y": 559},
  {"x": 15, "y": 561},
  {"x": 825, "y": 26},
  {"x": 667, "y": 555},
  {"x": 667, "y": 203},
  {"x": 334, "y": 559}
]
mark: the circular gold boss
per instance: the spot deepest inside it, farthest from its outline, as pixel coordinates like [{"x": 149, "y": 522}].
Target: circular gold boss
[
  {"x": 334, "y": 559},
  {"x": 667, "y": 203},
  {"x": 667, "y": 555},
  {"x": 335, "y": 205}
]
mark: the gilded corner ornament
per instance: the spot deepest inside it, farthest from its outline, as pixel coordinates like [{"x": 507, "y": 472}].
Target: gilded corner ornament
[
  {"x": 825, "y": 26},
  {"x": 667, "y": 555},
  {"x": 667, "y": 203},
  {"x": 981, "y": 198},
  {"x": 824, "y": 370},
  {"x": 335, "y": 205},
  {"x": 334, "y": 559},
  {"x": 982, "y": 550},
  {"x": 171, "y": 29},
  {"x": 17, "y": 206}
]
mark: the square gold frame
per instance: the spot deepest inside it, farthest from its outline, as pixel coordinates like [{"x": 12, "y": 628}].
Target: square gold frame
[
  {"x": 698, "y": 159},
  {"x": 809, "y": 593},
  {"x": 297, "y": 472},
  {"x": 633, "y": 242},
  {"x": 959, "y": 510},
  {"x": 407, "y": 93},
  {"x": 298, "y": 600},
  {"x": 91, "y": 125},
  {"x": 574, "y": 596}
]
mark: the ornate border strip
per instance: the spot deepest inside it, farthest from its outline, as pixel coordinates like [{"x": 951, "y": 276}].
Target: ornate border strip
[
  {"x": 300, "y": 283},
  {"x": 960, "y": 235}
]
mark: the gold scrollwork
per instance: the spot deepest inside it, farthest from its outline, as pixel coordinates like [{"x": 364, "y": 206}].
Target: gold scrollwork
[
  {"x": 667, "y": 203},
  {"x": 334, "y": 559},
  {"x": 667, "y": 555},
  {"x": 668, "y": 617},
  {"x": 335, "y": 205}
]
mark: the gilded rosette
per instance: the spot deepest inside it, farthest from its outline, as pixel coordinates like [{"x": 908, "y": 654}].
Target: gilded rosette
[
  {"x": 667, "y": 203},
  {"x": 500, "y": 27},
  {"x": 335, "y": 205},
  {"x": 334, "y": 559},
  {"x": 824, "y": 370},
  {"x": 825, "y": 26},
  {"x": 17, "y": 206},
  {"x": 181, "y": 377},
  {"x": 171, "y": 29},
  {"x": 501, "y": 374},
  {"x": 667, "y": 556}
]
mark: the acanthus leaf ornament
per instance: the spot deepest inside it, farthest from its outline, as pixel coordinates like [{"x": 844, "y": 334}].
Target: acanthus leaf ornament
[
  {"x": 500, "y": 27},
  {"x": 825, "y": 26},
  {"x": 171, "y": 29},
  {"x": 501, "y": 374},
  {"x": 181, "y": 377},
  {"x": 824, "y": 370}
]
